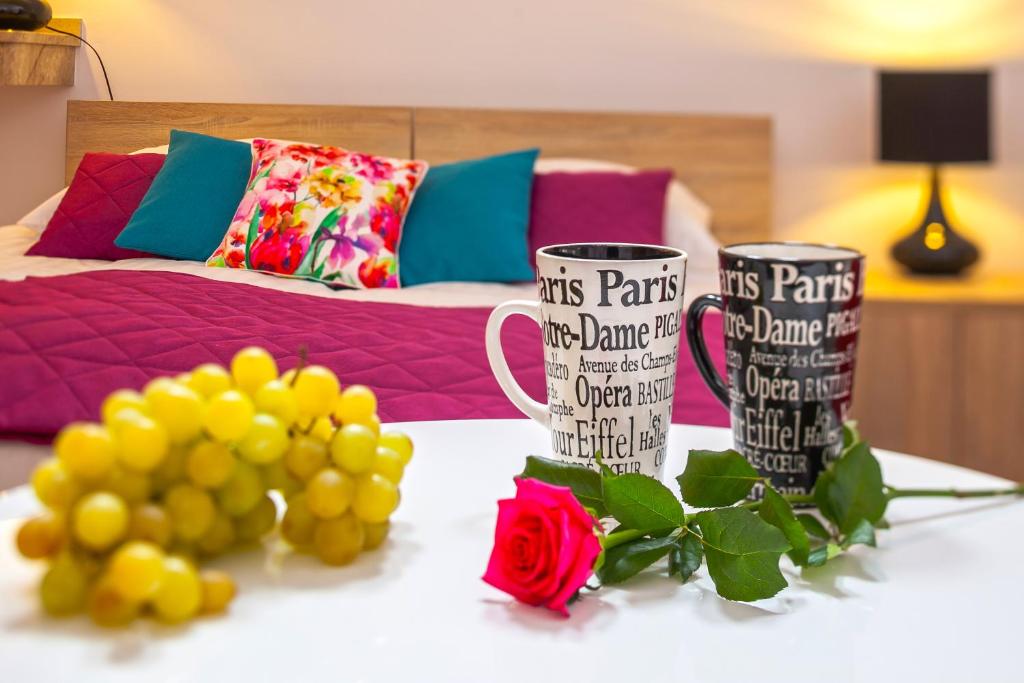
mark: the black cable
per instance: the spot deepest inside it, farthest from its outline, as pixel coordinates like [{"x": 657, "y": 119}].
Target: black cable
[{"x": 103, "y": 67}]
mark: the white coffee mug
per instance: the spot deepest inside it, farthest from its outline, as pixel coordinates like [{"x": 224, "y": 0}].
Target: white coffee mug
[{"x": 611, "y": 316}]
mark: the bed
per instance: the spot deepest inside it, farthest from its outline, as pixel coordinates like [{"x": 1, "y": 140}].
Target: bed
[{"x": 73, "y": 330}]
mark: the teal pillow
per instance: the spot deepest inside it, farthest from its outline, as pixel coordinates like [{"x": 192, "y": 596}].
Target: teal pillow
[
  {"x": 469, "y": 222},
  {"x": 192, "y": 200}
]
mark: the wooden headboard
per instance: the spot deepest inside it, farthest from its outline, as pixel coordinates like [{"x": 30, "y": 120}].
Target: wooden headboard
[{"x": 725, "y": 160}]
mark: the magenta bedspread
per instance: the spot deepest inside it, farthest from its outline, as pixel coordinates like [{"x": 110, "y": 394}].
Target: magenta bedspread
[{"x": 67, "y": 341}]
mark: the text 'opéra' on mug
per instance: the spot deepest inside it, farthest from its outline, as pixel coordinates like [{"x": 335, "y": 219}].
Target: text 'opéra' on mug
[{"x": 611, "y": 316}]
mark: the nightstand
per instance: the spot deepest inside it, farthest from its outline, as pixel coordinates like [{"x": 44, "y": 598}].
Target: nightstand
[{"x": 940, "y": 370}]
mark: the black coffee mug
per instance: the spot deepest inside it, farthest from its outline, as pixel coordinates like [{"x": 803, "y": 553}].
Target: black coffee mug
[{"x": 791, "y": 313}]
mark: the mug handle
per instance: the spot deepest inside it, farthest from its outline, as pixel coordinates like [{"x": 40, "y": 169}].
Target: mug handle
[
  {"x": 499, "y": 365},
  {"x": 699, "y": 348}
]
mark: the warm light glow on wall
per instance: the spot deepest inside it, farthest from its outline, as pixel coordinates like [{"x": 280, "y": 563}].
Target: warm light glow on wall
[
  {"x": 927, "y": 32},
  {"x": 889, "y": 32}
]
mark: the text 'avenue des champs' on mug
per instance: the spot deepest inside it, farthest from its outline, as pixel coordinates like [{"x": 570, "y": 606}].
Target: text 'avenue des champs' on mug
[
  {"x": 611, "y": 316},
  {"x": 791, "y": 316}
]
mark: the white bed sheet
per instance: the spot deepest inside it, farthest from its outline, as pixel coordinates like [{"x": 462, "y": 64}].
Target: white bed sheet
[{"x": 14, "y": 265}]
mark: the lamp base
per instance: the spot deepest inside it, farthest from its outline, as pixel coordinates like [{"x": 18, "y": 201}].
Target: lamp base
[{"x": 934, "y": 248}]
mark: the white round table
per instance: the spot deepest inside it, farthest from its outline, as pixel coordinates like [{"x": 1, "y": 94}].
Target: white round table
[{"x": 937, "y": 601}]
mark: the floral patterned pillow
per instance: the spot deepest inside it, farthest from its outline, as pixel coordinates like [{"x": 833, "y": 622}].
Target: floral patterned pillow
[{"x": 321, "y": 213}]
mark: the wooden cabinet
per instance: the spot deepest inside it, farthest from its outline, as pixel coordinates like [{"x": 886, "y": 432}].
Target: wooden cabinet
[
  {"x": 40, "y": 57},
  {"x": 941, "y": 370}
]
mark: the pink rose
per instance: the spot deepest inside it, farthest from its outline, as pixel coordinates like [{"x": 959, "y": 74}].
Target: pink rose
[{"x": 545, "y": 545}]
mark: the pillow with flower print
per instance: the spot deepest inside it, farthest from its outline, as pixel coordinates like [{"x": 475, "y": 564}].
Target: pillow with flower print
[{"x": 321, "y": 213}]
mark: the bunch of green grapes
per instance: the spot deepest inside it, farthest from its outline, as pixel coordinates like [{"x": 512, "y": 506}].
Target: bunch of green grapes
[
  {"x": 345, "y": 470},
  {"x": 183, "y": 471}
]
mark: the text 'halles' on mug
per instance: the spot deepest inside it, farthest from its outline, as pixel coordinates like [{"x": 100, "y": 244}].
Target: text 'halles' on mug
[
  {"x": 791, "y": 314},
  {"x": 611, "y": 316}
]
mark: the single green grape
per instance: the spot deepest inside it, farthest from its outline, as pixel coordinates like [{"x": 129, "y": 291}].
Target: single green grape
[
  {"x": 389, "y": 465},
  {"x": 99, "y": 520},
  {"x": 177, "y": 408},
  {"x": 357, "y": 404},
  {"x": 64, "y": 587},
  {"x": 107, "y": 606},
  {"x": 375, "y": 534},
  {"x": 375, "y": 498},
  {"x": 40, "y": 537},
  {"x": 399, "y": 443},
  {"x": 338, "y": 541},
  {"x": 219, "y": 537},
  {"x": 266, "y": 441},
  {"x": 354, "y": 448},
  {"x": 191, "y": 510},
  {"x": 150, "y": 522},
  {"x": 133, "y": 487},
  {"x": 86, "y": 450},
  {"x": 298, "y": 523},
  {"x": 252, "y": 367},
  {"x": 277, "y": 398},
  {"x": 209, "y": 379},
  {"x": 305, "y": 457},
  {"x": 228, "y": 415},
  {"x": 316, "y": 389},
  {"x": 180, "y": 594},
  {"x": 142, "y": 442},
  {"x": 210, "y": 464},
  {"x": 258, "y": 522},
  {"x": 118, "y": 401},
  {"x": 170, "y": 471},
  {"x": 54, "y": 486},
  {"x": 329, "y": 492},
  {"x": 136, "y": 570},
  {"x": 218, "y": 591},
  {"x": 242, "y": 491}
]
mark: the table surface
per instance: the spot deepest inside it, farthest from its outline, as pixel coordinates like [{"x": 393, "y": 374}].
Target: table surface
[{"x": 938, "y": 600}]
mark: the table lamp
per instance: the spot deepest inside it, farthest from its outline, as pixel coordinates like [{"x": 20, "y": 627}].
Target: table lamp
[{"x": 934, "y": 118}]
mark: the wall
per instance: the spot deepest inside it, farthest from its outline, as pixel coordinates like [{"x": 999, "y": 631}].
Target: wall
[{"x": 807, "y": 63}]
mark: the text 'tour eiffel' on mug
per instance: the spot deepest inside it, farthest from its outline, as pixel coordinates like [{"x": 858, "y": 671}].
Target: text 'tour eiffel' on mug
[
  {"x": 611, "y": 316},
  {"x": 791, "y": 314}
]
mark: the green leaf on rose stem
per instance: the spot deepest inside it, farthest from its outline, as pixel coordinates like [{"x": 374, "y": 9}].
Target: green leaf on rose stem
[
  {"x": 813, "y": 526},
  {"x": 642, "y": 503},
  {"x": 605, "y": 470},
  {"x": 685, "y": 557},
  {"x": 863, "y": 533},
  {"x": 851, "y": 489},
  {"x": 584, "y": 482},
  {"x": 627, "y": 560},
  {"x": 742, "y": 551},
  {"x": 777, "y": 511},
  {"x": 716, "y": 478},
  {"x": 883, "y": 523},
  {"x": 851, "y": 434},
  {"x": 822, "y": 554}
]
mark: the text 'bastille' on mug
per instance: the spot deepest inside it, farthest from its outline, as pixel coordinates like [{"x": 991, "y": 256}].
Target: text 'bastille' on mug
[
  {"x": 791, "y": 313},
  {"x": 611, "y": 316}
]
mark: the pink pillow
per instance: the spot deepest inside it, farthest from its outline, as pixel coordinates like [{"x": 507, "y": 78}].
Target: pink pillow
[
  {"x": 103, "y": 195},
  {"x": 597, "y": 207}
]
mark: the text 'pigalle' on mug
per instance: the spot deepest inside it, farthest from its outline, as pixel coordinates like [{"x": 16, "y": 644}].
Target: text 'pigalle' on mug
[
  {"x": 611, "y": 316},
  {"x": 791, "y": 313}
]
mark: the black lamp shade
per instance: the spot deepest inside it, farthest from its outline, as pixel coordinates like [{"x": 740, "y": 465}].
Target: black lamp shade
[
  {"x": 933, "y": 117},
  {"x": 24, "y": 15}
]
